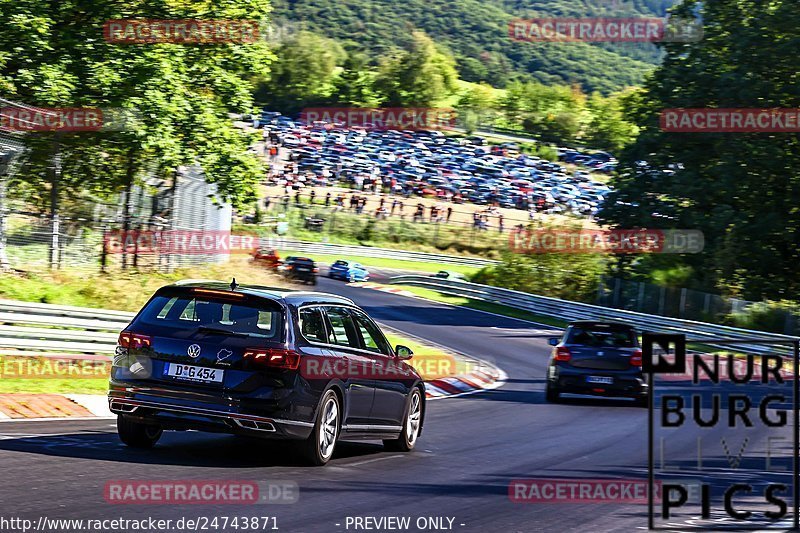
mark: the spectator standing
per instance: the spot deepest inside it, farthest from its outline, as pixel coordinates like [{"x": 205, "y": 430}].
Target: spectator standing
[
  {"x": 449, "y": 213},
  {"x": 328, "y": 199}
]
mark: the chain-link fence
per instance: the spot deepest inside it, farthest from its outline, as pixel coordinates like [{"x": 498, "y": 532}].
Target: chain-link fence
[
  {"x": 695, "y": 305},
  {"x": 31, "y": 240}
]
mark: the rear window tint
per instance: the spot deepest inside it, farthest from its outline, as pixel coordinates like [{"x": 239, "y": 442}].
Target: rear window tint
[
  {"x": 262, "y": 320},
  {"x": 600, "y": 336}
]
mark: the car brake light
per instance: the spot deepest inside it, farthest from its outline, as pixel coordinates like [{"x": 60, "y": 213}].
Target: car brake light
[
  {"x": 562, "y": 353},
  {"x": 636, "y": 357},
  {"x": 316, "y": 269},
  {"x": 136, "y": 341},
  {"x": 273, "y": 357}
]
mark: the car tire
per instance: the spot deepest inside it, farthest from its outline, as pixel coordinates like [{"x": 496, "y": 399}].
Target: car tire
[
  {"x": 137, "y": 434},
  {"x": 351, "y": 278},
  {"x": 641, "y": 401},
  {"x": 412, "y": 423},
  {"x": 321, "y": 444},
  {"x": 551, "y": 394}
]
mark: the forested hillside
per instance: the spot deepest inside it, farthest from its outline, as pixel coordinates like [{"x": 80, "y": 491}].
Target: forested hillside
[{"x": 476, "y": 33}]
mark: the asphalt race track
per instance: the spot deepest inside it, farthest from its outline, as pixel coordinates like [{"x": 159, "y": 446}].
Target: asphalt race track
[{"x": 472, "y": 447}]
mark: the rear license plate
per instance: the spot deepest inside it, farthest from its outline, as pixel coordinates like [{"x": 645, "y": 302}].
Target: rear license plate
[
  {"x": 600, "y": 379},
  {"x": 197, "y": 374}
]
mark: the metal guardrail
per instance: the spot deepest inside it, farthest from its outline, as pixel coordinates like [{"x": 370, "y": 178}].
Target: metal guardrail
[
  {"x": 567, "y": 310},
  {"x": 384, "y": 253},
  {"x": 37, "y": 329}
]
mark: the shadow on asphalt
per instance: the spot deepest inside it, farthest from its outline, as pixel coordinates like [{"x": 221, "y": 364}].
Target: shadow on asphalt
[
  {"x": 436, "y": 316},
  {"x": 536, "y": 397},
  {"x": 182, "y": 449}
]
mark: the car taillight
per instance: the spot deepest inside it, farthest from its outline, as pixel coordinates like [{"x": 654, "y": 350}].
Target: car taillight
[
  {"x": 128, "y": 339},
  {"x": 636, "y": 357},
  {"x": 562, "y": 353},
  {"x": 273, "y": 357},
  {"x": 316, "y": 269}
]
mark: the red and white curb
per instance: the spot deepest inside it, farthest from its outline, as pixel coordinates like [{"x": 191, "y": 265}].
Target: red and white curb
[
  {"x": 387, "y": 288},
  {"x": 487, "y": 378}
]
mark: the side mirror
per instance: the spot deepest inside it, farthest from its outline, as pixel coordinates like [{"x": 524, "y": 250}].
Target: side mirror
[
  {"x": 403, "y": 352},
  {"x": 553, "y": 341}
]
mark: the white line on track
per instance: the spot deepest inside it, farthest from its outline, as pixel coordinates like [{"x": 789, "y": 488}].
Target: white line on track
[{"x": 374, "y": 460}]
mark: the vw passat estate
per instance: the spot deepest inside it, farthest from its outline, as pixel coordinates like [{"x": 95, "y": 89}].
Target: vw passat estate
[{"x": 266, "y": 362}]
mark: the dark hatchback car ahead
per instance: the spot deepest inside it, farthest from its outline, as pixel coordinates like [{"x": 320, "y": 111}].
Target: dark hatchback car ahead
[
  {"x": 266, "y": 362},
  {"x": 299, "y": 269},
  {"x": 597, "y": 358}
]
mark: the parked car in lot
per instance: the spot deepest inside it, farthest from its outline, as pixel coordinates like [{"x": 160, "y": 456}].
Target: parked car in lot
[
  {"x": 596, "y": 358},
  {"x": 263, "y": 362},
  {"x": 299, "y": 269},
  {"x": 348, "y": 271}
]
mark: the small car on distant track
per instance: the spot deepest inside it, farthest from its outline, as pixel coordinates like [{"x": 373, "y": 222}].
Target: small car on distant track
[
  {"x": 263, "y": 362},
  {"x": 449, "y": 274},
  {"x": 596, "y": 358},
  {"x": 348, "y": 271},
  {"x": 299, "y": 269},
  {"x": 267, "y": 257}
]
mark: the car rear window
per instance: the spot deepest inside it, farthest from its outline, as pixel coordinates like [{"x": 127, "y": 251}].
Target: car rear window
[
  {"x": 341, "y": 263},
  {"x": 187, "y": 312},
  {"x": 598, "y": 336}
]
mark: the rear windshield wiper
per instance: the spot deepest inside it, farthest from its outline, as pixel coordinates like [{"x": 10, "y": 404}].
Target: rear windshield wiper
[{"x": 221, "y": 331}]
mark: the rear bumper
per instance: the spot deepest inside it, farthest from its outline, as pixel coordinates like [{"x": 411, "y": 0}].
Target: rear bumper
[
  {"x": 624, "y": 384},
  {"x": 149, "y": 404}
]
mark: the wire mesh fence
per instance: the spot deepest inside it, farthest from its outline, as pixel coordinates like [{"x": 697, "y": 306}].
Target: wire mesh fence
[{"x": 696, "y": 305}]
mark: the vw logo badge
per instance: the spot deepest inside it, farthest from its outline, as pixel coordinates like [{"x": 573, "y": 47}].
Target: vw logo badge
[{"x": 193, "y": 351}]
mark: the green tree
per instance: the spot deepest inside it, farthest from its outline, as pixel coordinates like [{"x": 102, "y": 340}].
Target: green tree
[
  {"x": 741, "y": 189},
  {"x": 421, "y": 75},
  {"x": 355, "y": 85},
  {"x": 53, "y": 55},
  {"x": 304, "y": 74},
  {"x": 608, "y": 128},
  {"x": 477, "y": 107}
]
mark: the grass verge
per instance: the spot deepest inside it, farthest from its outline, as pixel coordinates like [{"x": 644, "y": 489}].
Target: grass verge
[
  {"x": 124, "y": 290},
  {"x": 480, "y": 305}
]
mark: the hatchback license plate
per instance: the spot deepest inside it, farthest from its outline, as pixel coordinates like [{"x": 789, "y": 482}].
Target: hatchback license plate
[
  {"x": 199, "y": 374},
  {"x": 599, "y": 379}
]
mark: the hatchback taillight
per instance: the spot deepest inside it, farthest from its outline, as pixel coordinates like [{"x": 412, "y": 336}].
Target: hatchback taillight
[
  {"x": 636, "y": 358},
  {"x": 273, "y": 357},
  {"x": 128, "y": 339},
  {"x": 562, "y": 353}
]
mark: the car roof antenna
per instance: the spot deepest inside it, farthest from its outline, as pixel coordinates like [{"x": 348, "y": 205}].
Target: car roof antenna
[{"x": 234, "y": 284}]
